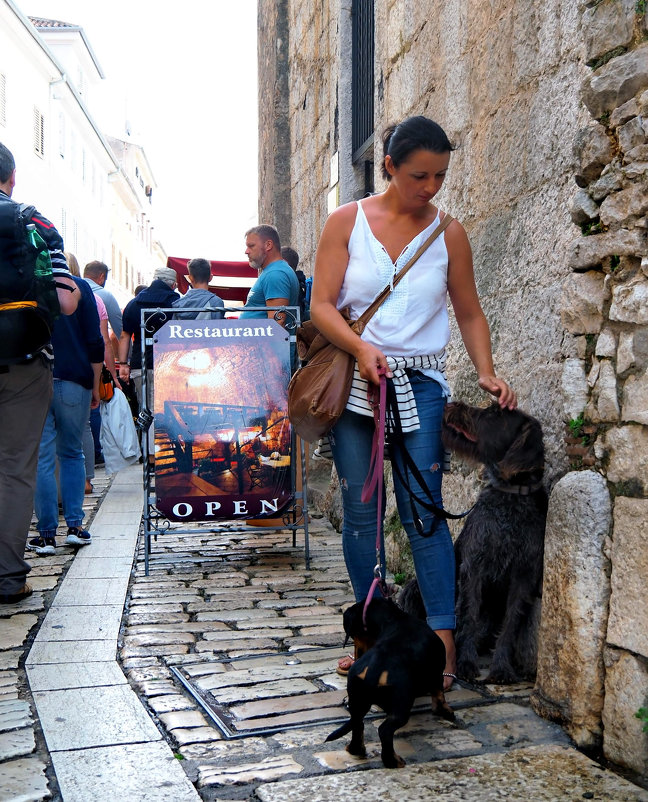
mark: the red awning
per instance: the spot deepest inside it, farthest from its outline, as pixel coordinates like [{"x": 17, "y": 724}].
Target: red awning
[{"x": 230, "y": 280}]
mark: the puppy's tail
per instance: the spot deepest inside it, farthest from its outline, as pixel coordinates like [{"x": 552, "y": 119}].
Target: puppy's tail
[{"x": 346, "y": 727}]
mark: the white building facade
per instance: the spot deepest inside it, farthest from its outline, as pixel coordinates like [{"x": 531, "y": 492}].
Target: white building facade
[{"x": 94, "y": 190}]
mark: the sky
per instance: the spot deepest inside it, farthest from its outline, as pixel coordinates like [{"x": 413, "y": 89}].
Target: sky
[{"x": 184, "y": 76}]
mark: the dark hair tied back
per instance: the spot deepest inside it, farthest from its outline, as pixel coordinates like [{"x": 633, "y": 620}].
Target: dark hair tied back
[{"x": 414, "y": 133}]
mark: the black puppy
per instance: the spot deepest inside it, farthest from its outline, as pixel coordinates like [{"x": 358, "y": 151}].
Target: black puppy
[
  {"x": 499, "y": 552},
  {"x": 399, "y": 659}
]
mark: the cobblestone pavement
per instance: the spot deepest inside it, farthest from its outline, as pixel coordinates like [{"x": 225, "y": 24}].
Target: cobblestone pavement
[{"x": 231, "y": 645}]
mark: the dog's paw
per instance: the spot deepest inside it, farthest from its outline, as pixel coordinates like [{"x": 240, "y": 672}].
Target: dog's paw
[
  {"x": 502, "y": 677},
  {"x": 357, "y": 750},
  {"x": 393, "y": 761},
  {"x": 468, "y": 670}
]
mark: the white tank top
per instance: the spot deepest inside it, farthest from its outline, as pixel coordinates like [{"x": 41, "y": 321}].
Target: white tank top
[{"x": 413, "y": 320}]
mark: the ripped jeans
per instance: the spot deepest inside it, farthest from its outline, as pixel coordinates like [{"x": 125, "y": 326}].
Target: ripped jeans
[{"x": 351, "y": 440}]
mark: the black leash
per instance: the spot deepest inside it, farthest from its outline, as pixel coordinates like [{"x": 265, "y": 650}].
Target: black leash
[{"x": 397, "y": 443}]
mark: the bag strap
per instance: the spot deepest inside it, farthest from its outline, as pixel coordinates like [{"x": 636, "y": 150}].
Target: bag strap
[{"x": 369, "y": 312}]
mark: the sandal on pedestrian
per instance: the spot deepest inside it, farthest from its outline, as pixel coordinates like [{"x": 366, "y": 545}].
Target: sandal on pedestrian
[
  {"x": 448, "y": 685},
  {"x": 14, "y": 598},
  {"x": 344, "y": 664}
]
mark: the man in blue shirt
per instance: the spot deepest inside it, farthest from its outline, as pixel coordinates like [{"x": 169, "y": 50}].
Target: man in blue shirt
[{"x": 277, "y": 284}]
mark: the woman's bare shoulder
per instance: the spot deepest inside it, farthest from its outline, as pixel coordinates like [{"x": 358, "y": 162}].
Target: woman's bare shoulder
[
  {"x": 342, "y": 219},
  {"x": 455, "y": 233},
  {"x": 344, "y": 213}
]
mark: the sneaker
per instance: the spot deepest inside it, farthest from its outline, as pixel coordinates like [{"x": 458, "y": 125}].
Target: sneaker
[
  {"x": 78, "y": 537},
  {"x": 42, "y": 545}
]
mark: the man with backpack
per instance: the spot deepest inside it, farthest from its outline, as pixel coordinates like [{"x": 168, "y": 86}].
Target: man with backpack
[{"x": 25, "y": 370}]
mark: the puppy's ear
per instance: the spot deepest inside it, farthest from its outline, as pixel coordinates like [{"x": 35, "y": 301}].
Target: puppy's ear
[{"x": 526, "y": 452}]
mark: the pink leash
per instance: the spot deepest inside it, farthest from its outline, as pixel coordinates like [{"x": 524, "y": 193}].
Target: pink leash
[{"x": 377, "y": 397}]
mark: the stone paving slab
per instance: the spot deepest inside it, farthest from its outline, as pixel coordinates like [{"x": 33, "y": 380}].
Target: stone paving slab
[
  {"x": 17, "y": 743},
  {"x": 88, "y": 651},
  {"x": 83, "y": 624},
  {"x": 63, "y": 676},
  {"x": 541, "y": 774},
  {"x": 23, "y": 780},
  {"x": 79, "y": 718},
  {"x": 134, "y": 773},
  {"x": 95, "y": 591}
]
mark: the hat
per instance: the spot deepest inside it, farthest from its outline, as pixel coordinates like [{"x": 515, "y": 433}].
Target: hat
[{"x": 166, "y": 274}]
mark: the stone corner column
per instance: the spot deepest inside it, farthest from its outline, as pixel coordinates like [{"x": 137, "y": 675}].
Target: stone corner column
[
  {"x": 576, "y": 592},
  {"x": 626, "y": 658}
]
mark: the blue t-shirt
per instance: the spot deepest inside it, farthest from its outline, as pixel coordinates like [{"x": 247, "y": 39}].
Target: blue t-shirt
[{"x": 277, "y": 280}]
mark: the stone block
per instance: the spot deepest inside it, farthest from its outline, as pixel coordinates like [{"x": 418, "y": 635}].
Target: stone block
[
  {"x": 626, "y": 690},
  {"x": 575, "y": 600},
  {"x": 15, "y": 630},
  {"x": 625, "y": 352},
  {"x": 129, "y": 772},
  {"x": 269, "y": 770},
  {"x": 593, "y": 150},
  {"x": 583, "y": 208},
  {"x": 18, "y": 743},
  {"x": 582, "y": 304},
  {"x": 627, "y": 452},
  {"x": 617, "y": 81},
  {"x": 625, "y": 205},
  {"x": 611, "y": 180},
  {"x": 630, "y": 302},
  {"x": 604, "y": 406},
  {"x": 606, "y": 344},
  {"x": 607, "y": 26},
  {"x": 628, "y": 622},
  {"x": 588, "y": 252},
  {"x": 574, "y": 387},
  {"x": 24, "y": 779},
  {"x": 14, "y": 714},
  {"x": 635, "y": 398},
  {"x": 631, "y": 135},
  {"x": 624, "y": 113}
]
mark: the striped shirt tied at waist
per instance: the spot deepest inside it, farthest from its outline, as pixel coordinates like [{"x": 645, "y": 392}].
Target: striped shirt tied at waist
[{"x": 399, "y": 366}]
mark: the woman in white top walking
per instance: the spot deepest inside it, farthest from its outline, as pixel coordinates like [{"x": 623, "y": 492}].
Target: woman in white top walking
[{"x": 362, "y": 247}]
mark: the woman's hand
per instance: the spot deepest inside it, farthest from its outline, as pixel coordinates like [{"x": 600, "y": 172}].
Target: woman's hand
[
  {"x": 505, "y": 395},
  {"x": 370, "y": 359}
]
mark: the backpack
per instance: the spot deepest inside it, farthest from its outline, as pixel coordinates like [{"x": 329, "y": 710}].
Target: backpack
[
  {"x": 304, "y": 294},
  {"x": 28, "y": 300}
]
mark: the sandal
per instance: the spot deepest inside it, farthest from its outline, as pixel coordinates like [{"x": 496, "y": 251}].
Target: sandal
[
  {"x": 452, "y": 678},
  {"x": 14, "y": 598},
  {"x": 344, "y": 664}
]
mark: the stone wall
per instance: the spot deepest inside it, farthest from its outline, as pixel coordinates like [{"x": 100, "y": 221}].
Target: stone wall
[
  {"x": 275, "y": 203},
  {"x": 598, "y": 607},
  {"x": 547, "y": 104}
]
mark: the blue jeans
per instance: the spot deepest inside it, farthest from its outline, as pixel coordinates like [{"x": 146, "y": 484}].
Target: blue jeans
[
  {"x": 351, "y": 440},
  {"x": 63, "y": 438}
]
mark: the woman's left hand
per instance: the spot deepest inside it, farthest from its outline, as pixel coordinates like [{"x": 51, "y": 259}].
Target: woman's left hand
[{"x": 505, "y": 395}]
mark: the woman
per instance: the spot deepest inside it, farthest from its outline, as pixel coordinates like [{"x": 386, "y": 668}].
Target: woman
[{"x": 363, "y": 245}]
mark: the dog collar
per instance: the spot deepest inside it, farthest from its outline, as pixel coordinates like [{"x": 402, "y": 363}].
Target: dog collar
[{"x": 517, "y": 490}]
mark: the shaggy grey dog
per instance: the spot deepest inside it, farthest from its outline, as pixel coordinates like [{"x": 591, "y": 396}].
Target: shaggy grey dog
[{"x": 499, "y": 552}]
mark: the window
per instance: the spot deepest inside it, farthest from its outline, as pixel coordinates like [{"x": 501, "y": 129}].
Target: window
[
  {"x": 362, "y": 77},
  {"x": 3, "y": 99},
  {"x": 39, "y": 133}
]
